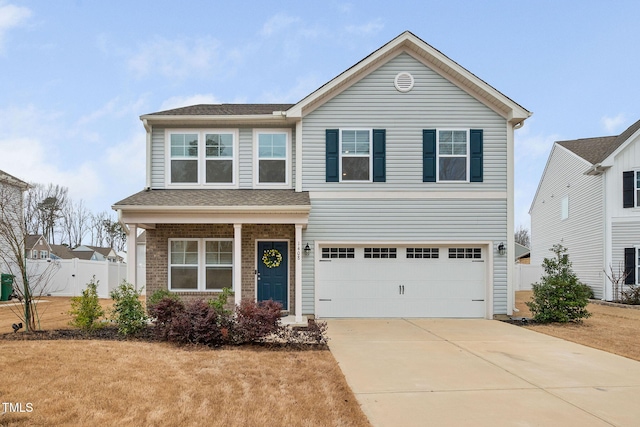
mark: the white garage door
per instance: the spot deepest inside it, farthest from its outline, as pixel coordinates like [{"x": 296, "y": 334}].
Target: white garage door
[{"x": 399, "y": 281}]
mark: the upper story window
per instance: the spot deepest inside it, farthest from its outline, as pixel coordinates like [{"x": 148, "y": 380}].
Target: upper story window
[
  {"x": 206, "y": 157},
  {"x": 453, "y": 159},
  {"x": 355, "y": 155},
  {"x": 273, "y": 154},
  {"x": 452, "y": 155}
]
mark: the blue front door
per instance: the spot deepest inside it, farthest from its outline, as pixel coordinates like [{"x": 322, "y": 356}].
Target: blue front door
[{"x": 273, "y": 272}]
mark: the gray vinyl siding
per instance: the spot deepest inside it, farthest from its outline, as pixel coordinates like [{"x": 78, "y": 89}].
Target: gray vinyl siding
[
  {"x": 582, "y": 233},
  {"x": 157, "y": 158},
  {"x": 623, "y": 235},
  {"x": 245, "y": 160},
  {"x": 433, "y": 103},
  {"x": 416, "y": 220}
]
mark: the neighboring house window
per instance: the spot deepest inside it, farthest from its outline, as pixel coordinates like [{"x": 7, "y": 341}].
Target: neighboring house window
[
  {"x": 452, "y": 155},
  {"x": 355, "y": 155},
  {"x": 272, "y": 159},
  {"x": 564, "y": 208},
  {"x": 202, "y": 158},
  {"x": 200, "y": 264},
  {"x": 34, "y": 254},
  {"x": 43, "y": 254}
]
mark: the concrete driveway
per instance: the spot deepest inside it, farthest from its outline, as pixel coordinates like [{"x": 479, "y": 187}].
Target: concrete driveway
[{"x": 455, "y": 372}]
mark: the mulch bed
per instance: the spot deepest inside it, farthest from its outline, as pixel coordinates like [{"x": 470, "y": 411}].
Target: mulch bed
[{"x": 109, "y": 333}]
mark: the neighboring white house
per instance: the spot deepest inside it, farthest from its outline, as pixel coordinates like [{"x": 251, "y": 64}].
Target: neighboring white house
[
  {"x": 588, "y": 200},
  {"x": 384, "y": 193},
  {"x": 11, "y": 223}
]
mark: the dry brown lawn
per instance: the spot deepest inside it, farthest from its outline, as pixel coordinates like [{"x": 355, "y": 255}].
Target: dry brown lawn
[
  {"x": 133, "y": 383},
  {"x": 612, "y": 329}
]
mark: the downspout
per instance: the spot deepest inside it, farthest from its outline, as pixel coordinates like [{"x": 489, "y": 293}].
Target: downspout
[{"x": 147, "y": 127}]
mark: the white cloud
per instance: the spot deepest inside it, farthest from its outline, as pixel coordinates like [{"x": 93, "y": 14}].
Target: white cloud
[
  {"x": 184, "y": 101},
  {"x": 613, "y": 124},
  {"x": 371, "y": 27},
  {"x": 114, "y": 108},
  {"x": 11, "y": 16},
  {"x": 175, "y": 58},
  {"x": 278, "y": 23}
]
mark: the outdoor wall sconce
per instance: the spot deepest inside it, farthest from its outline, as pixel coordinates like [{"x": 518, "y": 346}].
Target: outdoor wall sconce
[
  {"x": 502, "y": 249},
  {"x": 307, "y": 250}
]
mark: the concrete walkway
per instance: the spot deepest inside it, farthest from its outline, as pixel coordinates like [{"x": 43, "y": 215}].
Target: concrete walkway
[{"x": 454, "y": 372}]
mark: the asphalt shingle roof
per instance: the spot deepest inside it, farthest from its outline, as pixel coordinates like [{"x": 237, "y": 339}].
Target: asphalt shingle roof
[
  {"x": 595, "y": 150},
  {"x": 224, "y": 110},
  {"x": 216, "y": 198}
]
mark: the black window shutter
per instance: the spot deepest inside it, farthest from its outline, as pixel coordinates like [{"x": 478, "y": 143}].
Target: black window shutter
[
  {"x": 332, "y": 155},
  {"x": 379, "y": 155},
  {"x": 628, "y": 189},
  {"x": 428, "y": 155},
  {"x": 475, "y": 148},
  {"x": 630, "y": 266}
]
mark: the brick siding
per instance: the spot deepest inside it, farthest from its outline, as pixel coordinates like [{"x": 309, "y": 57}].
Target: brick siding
[{"x": 158, "y": 253}]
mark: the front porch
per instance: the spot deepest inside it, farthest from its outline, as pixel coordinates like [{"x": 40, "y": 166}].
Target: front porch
[{"x": 195, "y": 251}]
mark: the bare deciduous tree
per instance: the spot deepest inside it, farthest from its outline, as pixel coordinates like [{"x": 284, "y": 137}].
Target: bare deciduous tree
[
  {"x": 75, "y": 222},
  {"x": 522, "y": 236},
  {"x": 29, "y": 284},
  {"x": 51, "y": 207}
]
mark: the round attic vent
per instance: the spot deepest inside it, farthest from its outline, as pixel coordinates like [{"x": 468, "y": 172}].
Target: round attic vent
[{"x": 403, "y": 82}]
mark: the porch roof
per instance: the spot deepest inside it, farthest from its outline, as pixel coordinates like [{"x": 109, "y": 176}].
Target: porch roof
[
  {"x": 183, "y": 206},
  {"x": 244, "y": 199}
]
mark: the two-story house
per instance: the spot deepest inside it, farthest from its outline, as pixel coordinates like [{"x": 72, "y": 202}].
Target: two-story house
[
  {"x": 387, "y": 192},
  {"x": 588, "y": 200}
]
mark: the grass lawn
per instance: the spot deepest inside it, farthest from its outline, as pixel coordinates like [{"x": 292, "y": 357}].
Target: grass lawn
[
  {"x": 611, "y": 329},
  {"x": 135, "y": 383}
]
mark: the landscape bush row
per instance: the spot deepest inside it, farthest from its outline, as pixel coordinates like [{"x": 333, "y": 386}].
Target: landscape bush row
[{"x": 207, "y": 322}]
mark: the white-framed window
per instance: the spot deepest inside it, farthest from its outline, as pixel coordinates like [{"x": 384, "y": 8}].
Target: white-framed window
[
  {"x": 453, "y": 155},
  {"x": 423, "y": 253},
  {"x": 44, "y": 254},
  {"x": 272, "y": 157},
  {"x": 200, "y": 264},
  {"x": 202, "y": 157},
  {"x": 338, "y": 253},
  {"x": 355, "y": 155},
  {"x": 564, "y": 208},
  {"x": 34, "y": 254},
  {"x": 380, "y": 252}
]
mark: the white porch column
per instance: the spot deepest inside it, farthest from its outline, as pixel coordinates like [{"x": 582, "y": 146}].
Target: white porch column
[
  {"x": 237, "y": 262},
  {"x": 132, "y": 252},
  {"x": 298, "y": 302}
]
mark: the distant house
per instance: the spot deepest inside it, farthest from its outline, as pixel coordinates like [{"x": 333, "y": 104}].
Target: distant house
[
  {"x": 523, "y": 254},
  {"x": 37, "y": 247},
  {"x": 588, "y": 200},
  {"x": 85, "y": 252}
]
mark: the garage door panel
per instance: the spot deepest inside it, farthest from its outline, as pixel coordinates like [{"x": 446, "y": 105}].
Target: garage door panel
[{"x": 401, "y": 286}]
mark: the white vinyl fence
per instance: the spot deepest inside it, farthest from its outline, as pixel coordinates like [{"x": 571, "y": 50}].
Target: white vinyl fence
[
  {"x": 69, "y": 277},
  {"x": 527, "y": 275}
]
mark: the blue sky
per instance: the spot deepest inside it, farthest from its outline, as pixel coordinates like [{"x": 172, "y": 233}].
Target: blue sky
[{"x": 76, "y": 75}]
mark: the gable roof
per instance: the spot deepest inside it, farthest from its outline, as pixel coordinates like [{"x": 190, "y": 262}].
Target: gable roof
[
  {"x": 596, "y": 150},
  {"x": 32, "y": 239},
  {"x": 593, "y": 150},
  {"x": 431, "y": 57},
  {"x": 63, "y": 252}
]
